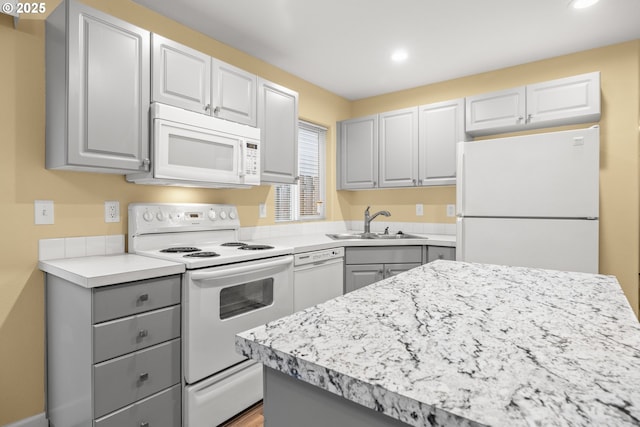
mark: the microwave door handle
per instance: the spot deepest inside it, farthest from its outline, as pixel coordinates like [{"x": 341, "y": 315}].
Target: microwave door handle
[
  {"x": 241, "y": 172},
  {"x": 226, "y": 272}
]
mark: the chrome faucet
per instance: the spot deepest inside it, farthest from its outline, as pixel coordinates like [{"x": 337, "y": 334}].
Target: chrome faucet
[{"x": 368, "y": 218}]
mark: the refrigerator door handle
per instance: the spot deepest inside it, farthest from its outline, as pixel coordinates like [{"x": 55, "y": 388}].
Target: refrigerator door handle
[
  {"x": 459, "y": 239},
  {"x": 459, "y": 178}
]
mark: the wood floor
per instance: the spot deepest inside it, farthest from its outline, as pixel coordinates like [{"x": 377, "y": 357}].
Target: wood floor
[{"x": 252, "y": 417}]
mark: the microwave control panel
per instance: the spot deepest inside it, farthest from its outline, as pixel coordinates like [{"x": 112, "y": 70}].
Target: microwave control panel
[{"x": 252, "y": 159}]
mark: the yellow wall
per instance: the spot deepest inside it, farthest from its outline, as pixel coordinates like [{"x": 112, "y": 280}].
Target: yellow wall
[{"x": 79, "y": 197}]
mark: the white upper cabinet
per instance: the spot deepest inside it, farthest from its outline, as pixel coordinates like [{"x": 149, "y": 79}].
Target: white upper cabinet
[
  {"x": 558, "y": 102},
  {"x": 564, "y": 100},
  {"x": 398, "y": 152},
  {"x": 358, "y": 153},
  {"x": 234, "y": 93},
  {"x": 441, "y": 127},
  {"x": 496, "y": 110},
  {"x": 189, "y": 79},
  {"x": 98, "y": 83},
  {"x": 181, "y": 76},
  {"x": 278, "y": 123}
]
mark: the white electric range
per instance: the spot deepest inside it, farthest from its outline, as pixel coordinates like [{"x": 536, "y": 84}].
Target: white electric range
[{"x": 228, "y": 287}]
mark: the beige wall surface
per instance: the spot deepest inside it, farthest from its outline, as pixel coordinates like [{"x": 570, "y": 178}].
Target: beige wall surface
[{"x": 79, "y": 197}]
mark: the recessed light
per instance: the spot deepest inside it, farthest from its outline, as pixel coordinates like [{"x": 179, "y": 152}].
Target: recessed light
[
  {"x": 581, "y": 4},
  {"x": 399, "y": 55}
]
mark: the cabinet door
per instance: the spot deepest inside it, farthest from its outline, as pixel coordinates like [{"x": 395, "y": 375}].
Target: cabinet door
[
  {"x": 398, "y": 148},
  {"x": 358, "y": 276},
  {"x": 181, "y": 76},
  {"x": 441, "y": 127},
  {"x": 278, "y": 122},
  {"x": 441, "y": 252},
  {"x": 573, "y": 99},
  {"x": 234, "y": 93},
  {"x": 495, "y": 112},
  {"x": 393, "y": 269},
  {"x": 358, "y": 153},
  {"x": 108, "y": 78}
]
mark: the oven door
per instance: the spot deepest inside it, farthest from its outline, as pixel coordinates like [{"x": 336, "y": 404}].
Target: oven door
[
  {"x": 221, "y": 301},
  {"x": 190, "y": 153}
]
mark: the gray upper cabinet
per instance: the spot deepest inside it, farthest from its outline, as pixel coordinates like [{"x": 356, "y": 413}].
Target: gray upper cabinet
[
  {"x": 358, "y": 153},
  {"x": 565, "y": 101},
  {"x": 98, "y": 84},
  {"x": 441, "y": 127},
  {"x": 181, "y": 76},
  {"x": 189, "y": 79},
  {"x": 398, "y": 149},
  {"x": 234, "y": 93},
  {"x": 278, "y": 123}
]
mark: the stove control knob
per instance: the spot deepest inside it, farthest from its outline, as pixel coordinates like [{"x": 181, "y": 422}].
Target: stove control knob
[
  {"x": 232, "y": 215},
  {"x": 212, "y": 215},
  {"x": 147, "y": 216},
  {"x": 223, "y": 215},
  {"x": 160, "y": 216}
]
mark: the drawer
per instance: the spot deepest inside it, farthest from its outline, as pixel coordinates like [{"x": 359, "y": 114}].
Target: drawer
[
  {"x": 127, "y": 379},
  {"x": 121, "y": 336},
  {"x": 111, "y": 302},
  {"x": 383, "y": 255},
  {"x": 163, "y": 409},
  {"x": 441, "y": 252}
]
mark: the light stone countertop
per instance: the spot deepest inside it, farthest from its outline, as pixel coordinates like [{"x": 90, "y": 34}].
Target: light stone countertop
[
  {"x": 452, "y": 343},
  {"x": 103, "y": 270}
]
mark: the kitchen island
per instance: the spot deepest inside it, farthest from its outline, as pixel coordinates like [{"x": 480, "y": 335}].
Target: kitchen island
[{"x": 452, "y": 343}]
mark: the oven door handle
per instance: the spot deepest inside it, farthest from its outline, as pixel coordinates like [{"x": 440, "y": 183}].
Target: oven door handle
[{"x": 253, "y": 268}]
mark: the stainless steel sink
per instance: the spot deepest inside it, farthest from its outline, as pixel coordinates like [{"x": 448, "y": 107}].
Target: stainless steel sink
[{"x": 372, "y": 236}]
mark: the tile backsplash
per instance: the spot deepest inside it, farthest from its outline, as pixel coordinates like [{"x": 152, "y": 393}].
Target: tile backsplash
[{"x": 72, "y": 247}]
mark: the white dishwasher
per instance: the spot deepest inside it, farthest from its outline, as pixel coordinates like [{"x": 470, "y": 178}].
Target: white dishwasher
[{"x": 318, "y": 276}]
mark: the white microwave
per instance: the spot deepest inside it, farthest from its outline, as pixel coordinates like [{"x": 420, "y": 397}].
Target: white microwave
[{"x": 193, "y": 149}]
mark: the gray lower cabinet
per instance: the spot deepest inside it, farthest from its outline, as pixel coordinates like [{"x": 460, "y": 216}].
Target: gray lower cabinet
[
  {"x": 98, "y": 91},
  {"x": 369, "y": 264},
  {"x": 441, "y": 252},
  {"x": 114, "y": 353}
]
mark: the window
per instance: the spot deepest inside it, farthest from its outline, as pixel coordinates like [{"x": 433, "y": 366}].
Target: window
[{"x": 306, "y": 199}]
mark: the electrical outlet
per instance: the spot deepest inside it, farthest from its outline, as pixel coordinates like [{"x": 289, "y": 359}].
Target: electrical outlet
[
  {"x": 43, "y": 211},
  {"x": 112, "y": 211},
  {"x": 419, "y": 209},
  {"x": 451, "y": 210},
  {"x": 263, "y": 210}
]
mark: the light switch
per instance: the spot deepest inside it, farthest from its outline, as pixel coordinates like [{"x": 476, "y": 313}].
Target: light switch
[
  {"x": 419, "y": 209},
  {"x": 43, "y": 211}
]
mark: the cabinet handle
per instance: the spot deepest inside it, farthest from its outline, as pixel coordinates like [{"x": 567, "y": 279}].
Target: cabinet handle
[
  {"x": 296, "y": 178},
  {"x": 529, "y": 116},
  {"x": 146, "y": 162},
  {"x": 143, "y": 333},
  {"x": 144, "y": 424},
  {"x": 419, "y": 182},
  {"x": 216, "y": 111},
  {"x": 388, "y": 273},
  {"x": 143, "y": 297},
  {"x": 375, "y": 183},
  {"x": 207, "y": 107},
  {"x": 519, "y": 119},
  {"x": 143, "y": 377},
  {"x": 415, "y": 182}
]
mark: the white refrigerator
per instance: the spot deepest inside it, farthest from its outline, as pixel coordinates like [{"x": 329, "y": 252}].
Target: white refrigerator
[{"x": 530, "y": 200}]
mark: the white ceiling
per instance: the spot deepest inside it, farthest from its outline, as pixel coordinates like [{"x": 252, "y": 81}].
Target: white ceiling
[{"x": 344, "y": 46}]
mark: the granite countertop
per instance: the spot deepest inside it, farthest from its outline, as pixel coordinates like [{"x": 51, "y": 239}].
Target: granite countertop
[
  {"x": 452, "y": 343},
  {"x": 103, "y": 270}
]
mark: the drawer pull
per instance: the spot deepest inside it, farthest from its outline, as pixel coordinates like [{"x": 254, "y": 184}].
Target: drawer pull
[
  {"x": 143, "y": 333},
  {"x": 143, "y": 377},
  {"x": 144, "y": 424},
  {"x": 143, "y": 297}
]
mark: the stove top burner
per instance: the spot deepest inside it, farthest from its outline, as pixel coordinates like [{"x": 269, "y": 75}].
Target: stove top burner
[
  {"x": 255, "y": 247},
  {"x": 202, "y": 255},
  {"x": 234, "y": 244},
  {"x": 181, "y": 249}
]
